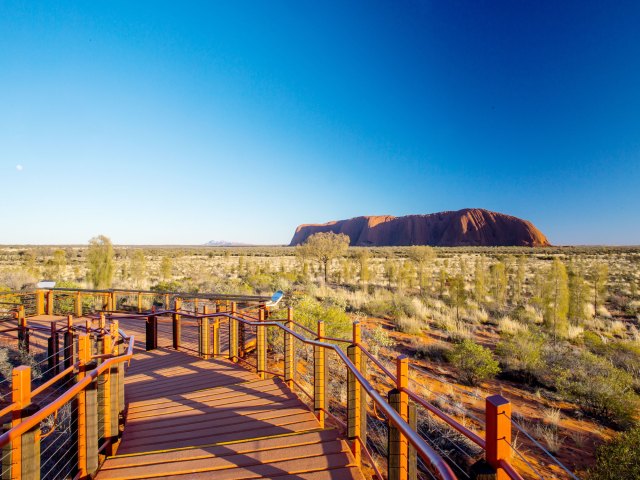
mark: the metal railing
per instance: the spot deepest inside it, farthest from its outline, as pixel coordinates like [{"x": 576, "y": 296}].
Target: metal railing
[{"x": 364, "y": 413}]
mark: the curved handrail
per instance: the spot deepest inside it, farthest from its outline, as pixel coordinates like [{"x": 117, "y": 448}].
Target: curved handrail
[
  {"x": 67, "y": 396},
  {"x": 422, "y": 448}
]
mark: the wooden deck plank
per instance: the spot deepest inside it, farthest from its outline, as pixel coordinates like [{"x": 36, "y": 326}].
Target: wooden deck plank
[{"x": 193, "y": 418}]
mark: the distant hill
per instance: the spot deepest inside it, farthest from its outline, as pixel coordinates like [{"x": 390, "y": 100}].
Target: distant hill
[
  {"x": 468, "y": 227},
  {"x": 224, "y": 243}
]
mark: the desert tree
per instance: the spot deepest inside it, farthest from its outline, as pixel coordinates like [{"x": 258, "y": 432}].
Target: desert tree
[
  {"x": 138, "y": 267},
  {"x": 498, "y": 282},
  {"x": 364, "y": 272},
  {"x": 599, "y": 277},
  {"x": 578, "y": 292},
  {"x": 166, "y": 267},
  {"x": 519, "y": 278},
  {"x": 422, "y": 256},
  {"x": 556, "y": 298},
  {"x": 479, "y": 279},
  {"x": 324, "y": 247},
  {"x": 100, "y": 262},
  {"x": 390, "y": 271},
  {"x": 458, "y": 294}
]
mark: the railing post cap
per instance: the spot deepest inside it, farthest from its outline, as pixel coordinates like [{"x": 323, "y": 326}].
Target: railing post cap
[{"x": 497, "y": 400}]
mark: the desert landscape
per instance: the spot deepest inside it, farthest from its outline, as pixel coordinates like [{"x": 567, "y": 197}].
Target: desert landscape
[{"x": 554, "y": 329}]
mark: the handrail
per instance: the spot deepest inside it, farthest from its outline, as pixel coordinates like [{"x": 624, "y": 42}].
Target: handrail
[
  {"x": 422, "y": 448},
  {"x": 56, "y": 404}
]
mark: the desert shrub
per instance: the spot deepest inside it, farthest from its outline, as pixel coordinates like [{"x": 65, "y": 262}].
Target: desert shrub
[
  {"x": 618, "y": 458},
  {"x": 433, "y": 351},
  {"x": 397, "y": 306},
  {"x": 474, "y": 362},
  {"x": 409, "y": 325},
  {"x": 594, "y": 383},
  {"x": 522, "y": 354},
  {"x": 376, "y": 339},
  {"x": 309, "y": 310}
]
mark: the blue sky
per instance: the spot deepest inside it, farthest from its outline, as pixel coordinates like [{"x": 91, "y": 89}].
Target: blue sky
[{"x": 182, "y": 122}]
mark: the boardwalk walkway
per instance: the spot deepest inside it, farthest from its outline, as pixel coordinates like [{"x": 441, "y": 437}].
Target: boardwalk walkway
[{"x": 193, "y": 418}]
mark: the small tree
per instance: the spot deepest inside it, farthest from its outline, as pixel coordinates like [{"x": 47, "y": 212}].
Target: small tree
[
  {"x": 498, "y": 283},
  {"x": 422, "y": 256},
  {"x": 599, "y": 277},
  {"x": 324, "y": 247},
  {"x": 556, "y": 298},
  {"x": 458, "y": 294},
  {"x": 475, "y": 362},
  {"x": 479, "y": 282},
  {"x": 577, "y": 295},
  {"x": 100, "y": 260},
  {"x": 138, "y": 267},
  {"x": 166, "y": 266},
  {"x": 390, "y": 271},
  {"x": 364, "y": 272}
]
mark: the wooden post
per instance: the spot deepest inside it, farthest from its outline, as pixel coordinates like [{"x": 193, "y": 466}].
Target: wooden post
[
  {"x": 319, "y": 378},
  {"x": 498, "y": 434},
  {"x": 87, "y": 414},
  {"x": 139, "y": 302},
  {"x": 69, "y": 353},
  {"x": 21, "y": 396},
  {"x": 177, "y": 328},
  {"x": 398, "y": 444},
  {"x": 151, "y": 331},
  {"x": 23, "y": 331},
  {"x": 104, "y": 397},
  {"x": 289, "y": 363},
  {"x": 114, "y": 301},
  {"x": 242, "y": 338},
  {"x": 49, "y": 302},
  {"x": 354, "y": 397},
  {"x": 215, "y": 327},
  {"x": 78, "y": 304},
  {"x": 166, "y": 302},
  {"x": 233, "y": 335},
  {"x": 53, "y": 348},
  {"x": 39, "y": 302},
  {"x": 261, "y": 346},
  {"x": 203, "y": 338}
]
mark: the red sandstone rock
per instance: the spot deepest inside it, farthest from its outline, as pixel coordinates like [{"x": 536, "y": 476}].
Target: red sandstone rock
[{"x": 468, "y": 227}]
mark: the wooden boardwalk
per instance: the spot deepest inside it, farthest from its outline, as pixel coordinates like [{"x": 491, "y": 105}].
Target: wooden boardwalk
[{"x": 190, "y": 418}]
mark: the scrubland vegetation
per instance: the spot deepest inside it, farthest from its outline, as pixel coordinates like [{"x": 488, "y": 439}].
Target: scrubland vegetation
[{"x": 556, "y": 330}]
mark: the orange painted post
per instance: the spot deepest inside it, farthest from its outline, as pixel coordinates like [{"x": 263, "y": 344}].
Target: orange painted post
[
  {"x": 233, "y": 335},
  {"x": 49, "y": 302},
  {"x": 104, "y": 396},
  {"x": 177, "y": 327},
  {"x": 87, "y": 413},
  {"x": 354, "y": 397},
  {"x": 261, "y": 346},
  {"x": 288, "y": 351},
  {"x": 398, "y": 444},
  {"x": 78, "y": 304},
  {"x": 39, "y": 302},
  {"x": 319, "y": 378},
  {"x": 166, "y": 302},
  {"x": 203, "y": 337},
  {"x": 215, "y": 326},
  {"x": 139, "y": 302},
  {"x": 69, "y": 353},
  {"x": 21, "y": 396},
  {"x": 498, "y": 435}
]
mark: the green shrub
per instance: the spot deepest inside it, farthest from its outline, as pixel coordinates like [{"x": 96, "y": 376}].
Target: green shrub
[
  {"x": 308, "y": 311},
  {"x": 474, "y": 362},
  {"x": 409, "y": 325},
  {"x": 522, "y": 354},
  {"x": 599, "y": 387},
  {"x": 618, "y": 458}
]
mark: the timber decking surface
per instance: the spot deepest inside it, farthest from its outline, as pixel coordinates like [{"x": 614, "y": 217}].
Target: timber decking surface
[{"x": 189, "y": 418}]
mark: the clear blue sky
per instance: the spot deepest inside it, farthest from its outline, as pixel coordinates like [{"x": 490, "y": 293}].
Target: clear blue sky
[{"x": 182, "y": 122}]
